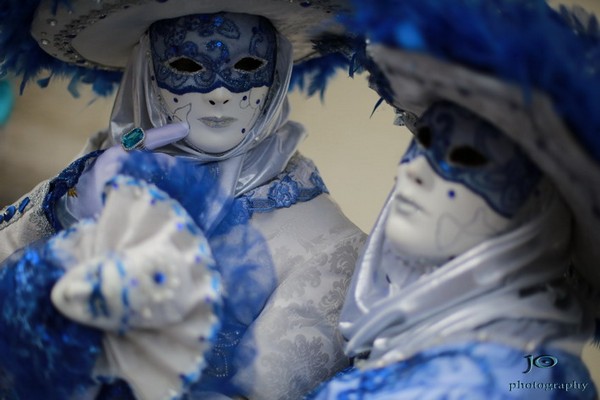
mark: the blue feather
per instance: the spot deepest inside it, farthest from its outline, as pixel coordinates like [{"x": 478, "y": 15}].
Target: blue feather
[
  {"x": 521, "y": 41},
  {"x": 335, "y": 53},
  {"x": 23, "y": 57},
  {"x": 318, "y": 71}
]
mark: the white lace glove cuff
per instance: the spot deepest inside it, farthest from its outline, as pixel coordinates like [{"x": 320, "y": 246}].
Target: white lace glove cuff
[{"x": 144, "y": 274}]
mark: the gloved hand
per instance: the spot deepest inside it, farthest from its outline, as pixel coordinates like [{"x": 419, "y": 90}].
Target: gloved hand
[{"x": 86, "y": 201}]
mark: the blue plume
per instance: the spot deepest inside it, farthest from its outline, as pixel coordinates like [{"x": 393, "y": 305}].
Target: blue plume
[
  {"x": 23, "y": 57},
  {"x": 336, "y": 53},
  {"x": 521, "y": 41},
  {"x": 318, "y": 71}
]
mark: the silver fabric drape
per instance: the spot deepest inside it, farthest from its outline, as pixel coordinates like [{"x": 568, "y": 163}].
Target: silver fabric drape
[{"x": 395, "y": 309}]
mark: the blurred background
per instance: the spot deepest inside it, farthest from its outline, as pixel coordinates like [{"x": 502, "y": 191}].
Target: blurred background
[{"x": 356, "y": 153}]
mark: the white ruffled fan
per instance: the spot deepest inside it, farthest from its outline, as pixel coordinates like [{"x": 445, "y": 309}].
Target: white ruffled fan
[{"x": 144, "y": 274}]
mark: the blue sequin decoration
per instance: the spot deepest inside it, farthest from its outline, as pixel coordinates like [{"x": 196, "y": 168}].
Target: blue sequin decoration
[
  {"x": 97, "y": 302},
  {"x": 247, "y": 283},
  {"x": 9, "y": 213},
  {"x": 24, "y": 203},
  {"x": 159, "y": 278},
  {"x": 43, "y": 355},
  {"x": 224, "y": 40}
]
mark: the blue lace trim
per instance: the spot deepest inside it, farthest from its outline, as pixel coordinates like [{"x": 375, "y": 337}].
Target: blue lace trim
[
  {"x": 43, "y": 355},
  {"x": 299, "y": 182},
  {"x": 60, "y": 185}
]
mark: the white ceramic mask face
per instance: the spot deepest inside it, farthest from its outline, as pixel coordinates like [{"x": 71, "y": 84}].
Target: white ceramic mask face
[
  {"x": 460, "y": 182},
  {"x": 214, "y": 72}
]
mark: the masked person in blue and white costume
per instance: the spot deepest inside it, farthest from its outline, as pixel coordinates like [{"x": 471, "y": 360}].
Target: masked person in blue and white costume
[
  {"x": 480, "y": 278},
  {"x": 121, "y": 294}
]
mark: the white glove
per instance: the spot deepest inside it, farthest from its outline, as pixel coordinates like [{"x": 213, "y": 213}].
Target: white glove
[{"x": 87, "y": 202}]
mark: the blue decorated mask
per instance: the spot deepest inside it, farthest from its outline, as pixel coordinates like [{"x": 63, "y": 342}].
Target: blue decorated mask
[
  {"x": 199, "y": 53},
  {"x": 214, "y": 72},
  {"x": 460, "y": 182},
  {"x": 463, "y": 148}
]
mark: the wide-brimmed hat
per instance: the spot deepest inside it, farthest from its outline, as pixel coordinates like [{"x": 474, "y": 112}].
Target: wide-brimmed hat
[
  {"x": 91, "y": 40},
  {"x": 531, "y": 71}
]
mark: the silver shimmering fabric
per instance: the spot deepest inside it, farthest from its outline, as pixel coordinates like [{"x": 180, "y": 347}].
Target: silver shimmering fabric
[{"x": 499, "y": 291}]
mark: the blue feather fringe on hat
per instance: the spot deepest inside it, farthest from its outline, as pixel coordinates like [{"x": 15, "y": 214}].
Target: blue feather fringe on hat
[
  {"x": 521, "y": 41},
  {"x": 23, "y": 57}
]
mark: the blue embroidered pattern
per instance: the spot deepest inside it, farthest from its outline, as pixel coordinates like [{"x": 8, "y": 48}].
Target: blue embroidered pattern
[
  {"x": 507, "y": 177},
  {"x": 60, "y": 185},
  {"x": 225, "y": 43},
  {"x": 299, "y": 182}
]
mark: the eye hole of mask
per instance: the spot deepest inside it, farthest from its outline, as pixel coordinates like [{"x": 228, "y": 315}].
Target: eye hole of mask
[
  {"x": 467, "y": 156},
  {"x": 249, "y": 64},
  {"x": 423, "y": 136},
  {"x": 185, "y": 64}
]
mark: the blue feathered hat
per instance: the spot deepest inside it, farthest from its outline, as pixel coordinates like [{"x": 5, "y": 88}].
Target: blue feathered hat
[
  {"x": 532, "y": 71},
  {"x": 89, "y": 41}
]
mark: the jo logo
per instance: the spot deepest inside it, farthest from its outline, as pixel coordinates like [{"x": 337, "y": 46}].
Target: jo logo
[{"x": 540, "y": 362}]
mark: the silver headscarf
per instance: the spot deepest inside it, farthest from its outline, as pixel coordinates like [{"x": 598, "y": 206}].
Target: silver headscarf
[
  {"x": 500, "y": 290},
  {"x": 263, "y": 153}
]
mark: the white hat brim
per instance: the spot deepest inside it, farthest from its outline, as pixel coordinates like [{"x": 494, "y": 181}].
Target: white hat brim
[{"x": 102, "y": 33}]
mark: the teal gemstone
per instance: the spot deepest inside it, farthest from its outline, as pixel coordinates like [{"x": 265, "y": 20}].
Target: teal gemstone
[{"x": 133, "y": 139}]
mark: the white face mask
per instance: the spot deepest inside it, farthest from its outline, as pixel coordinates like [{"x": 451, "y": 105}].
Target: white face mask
[
  {"x": 214, "y": 71},
  {"x": 460, "y": 182},
  {"x": 433, "y": 219},
  {"x": 218, "y": 120}
]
